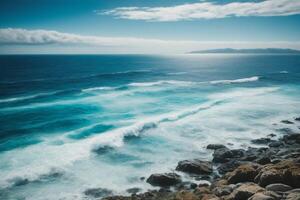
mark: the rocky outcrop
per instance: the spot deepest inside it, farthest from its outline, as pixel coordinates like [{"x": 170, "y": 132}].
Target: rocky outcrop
[
  {"x": 244, "y": 173},
  {"x": 245, "y": 191},
  {"x": 164, "y": 180},
  {"x": 195, "y": 166},
  {"x": 286, "y": 172},
  {"x": 215, "y": 146}
]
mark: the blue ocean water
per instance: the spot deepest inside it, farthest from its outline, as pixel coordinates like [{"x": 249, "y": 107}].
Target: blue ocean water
[{"x": 73, "y": 122}]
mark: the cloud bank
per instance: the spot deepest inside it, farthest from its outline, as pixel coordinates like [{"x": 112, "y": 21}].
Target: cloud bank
[
  {"x": 49, "y": 41},
  {"x": 207, "y": 10}
]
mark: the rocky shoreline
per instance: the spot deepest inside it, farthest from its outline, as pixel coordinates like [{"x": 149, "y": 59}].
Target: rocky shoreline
[{"x": 271, "y": 172}]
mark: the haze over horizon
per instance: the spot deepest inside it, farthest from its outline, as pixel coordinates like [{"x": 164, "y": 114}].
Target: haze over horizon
[{"x": 132, "y": 26}]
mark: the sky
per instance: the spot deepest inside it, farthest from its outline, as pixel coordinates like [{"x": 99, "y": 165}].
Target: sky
[{"x": 143, "y": 26}]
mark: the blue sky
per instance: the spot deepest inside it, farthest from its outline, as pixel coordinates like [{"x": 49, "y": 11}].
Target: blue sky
[{"x": 133, "y": 26}]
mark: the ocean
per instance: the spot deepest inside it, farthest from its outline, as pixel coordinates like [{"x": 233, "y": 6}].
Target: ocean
[{"x": 69, "y": 123}]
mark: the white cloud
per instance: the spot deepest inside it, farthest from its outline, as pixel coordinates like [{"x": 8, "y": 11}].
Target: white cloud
[
  {"x": 207, "y": 10},
  {"x": 47, "y": 41}
]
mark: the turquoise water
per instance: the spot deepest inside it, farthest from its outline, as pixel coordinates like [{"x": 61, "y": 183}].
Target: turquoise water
[{"x": 70, "y": 123}]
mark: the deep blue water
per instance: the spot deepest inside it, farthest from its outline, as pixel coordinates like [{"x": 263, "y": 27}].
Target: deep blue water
[{"x": 69, "y": 123}]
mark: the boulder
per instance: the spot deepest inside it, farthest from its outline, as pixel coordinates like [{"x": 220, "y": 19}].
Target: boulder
[
  {"x": 276, "y": 144},
  {"x": 261, "y": 141},
  {"x": 98, "y": 192},
  {"x": 164, "y": 180},
  {"x": 229, "y": 166},
  {"x": 278, "y": 187},
  {"x": 261, "y": 196},
  {"x": 286, "y": 122},
  {"x": 293, "y": 196},
  {"x": 195, "y": 166},
  {"x": 286, "y": 172},
  {"x": 215, "y": 146},
  {"x": 133, "y": 190},
  {"x": 245, "y": 191},
  {"x": 292, "y": 138},
  {"x": 224, "y": 154},
  {"x": 244, "y": 173},
  {"x": 297, "y": 119}
]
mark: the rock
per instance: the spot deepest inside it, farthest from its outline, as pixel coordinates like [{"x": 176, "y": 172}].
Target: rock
[
  {"x": 229, "y": 166},
  {"x": 193, "y": 185},
  {"x": 98, "y": 192},
  {"x": 278, "y": 187},
  {"x": 297, "y": 119},
  {"x": 164, "y": 180},
  {"x": 245, "y": 191},
  {"x": 276, "y": 144},
  {"x": 286, "y": 172},
  {"x": 291, "y": 138},
  {"x": 271, "y": 135},
  {"x": 222, "y": 191},
  {"x": 286, "y": 122},
  {"x": 261, "y": 141},
  {"x": 133, "y": 190},
  {"x": 224, "y": 154},
  {"x": 195, "y": 166},
  {"x": 293, "y": 196},
  {"x": 261, "y": 196},
  {"x": 263, "y": 160},
  {"x": 244, "y": 173},
  {"x": 215, "y": 146}
]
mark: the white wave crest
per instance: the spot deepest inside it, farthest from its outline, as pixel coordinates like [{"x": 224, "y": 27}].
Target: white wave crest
[
  {"x": 22, "y": 98},
  {"x": 283, "y": 72},
  {"x": 242, "y": 80},
  {"x": 97, "y": 89},
  {"x": 163, "y": 82}
]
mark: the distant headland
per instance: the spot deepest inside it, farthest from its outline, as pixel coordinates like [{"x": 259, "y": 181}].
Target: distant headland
[{"x": 248, "y": 51}]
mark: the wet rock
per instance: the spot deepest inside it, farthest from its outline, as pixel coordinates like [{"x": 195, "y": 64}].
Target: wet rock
[
  {"x": 229, "y": 166},
  {"x": 244, "y": 173},
  {"x": 278, "y": 187},
  {"x": 224, "y": 154},
  {"x": 133, "y": 190},
  {"x": 263, "y": 160},
  {"x": 297, "y": 119},
  {"x": 261, "y": 141},
  {"x": 195, "y": 166},
  {"x": 245, "y": 191},
  {"x": 276, "y": 144},
  {"x": 291, "y": 138},
  {"x": 261, "y": 196},
  {"x": 286, "y": 172},
  {"x": 20, "y": 181},
  {"x": 164, "y": 180},
  {"x": 222, "y": 191},
  {"x": 271, "y": 135},
  {"x": 287, "y": 122},
  {"x": 98, "y": 192},
  {"x": 215, "y": 146}
]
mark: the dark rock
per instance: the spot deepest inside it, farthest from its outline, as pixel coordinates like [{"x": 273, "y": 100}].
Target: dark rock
[
  {"x": 215, "y": 146},
  {"x": 276, "y": 144},
  {"x": 263, "y": 160},
  {"x": 20, "y": 181},
  {"x": 229, "y": 166},
  {"x": 244, "y": 173},
  {"x": 164, "y": 180},
  {"x": 287, "y": 122},
  {"x": 271, "y": 135},
  {"x": 193, "y": 185},
  {"x": 261, "y": 141},
  {"x": 278, "y": 187},
  {"x": 142, "y": 178},
  {"x": 195, "y": 166},
  {"x": 224, "y": 154},
  {"x": 222, "y": 191},
  {"x": 291, "y": 138},
  {"x": 98, "y": 192},
  {"x": 297, "y": 119},
  {"x": 133, "y": 190}
]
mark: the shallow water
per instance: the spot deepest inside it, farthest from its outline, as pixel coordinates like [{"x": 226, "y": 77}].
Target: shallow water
[{"x": 70, "y": 123}]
